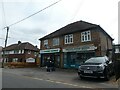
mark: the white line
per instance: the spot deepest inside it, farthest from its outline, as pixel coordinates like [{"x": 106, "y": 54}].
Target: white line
[
  {"x": 53, "y": 81},
  {"x": 61, "y": 82}
]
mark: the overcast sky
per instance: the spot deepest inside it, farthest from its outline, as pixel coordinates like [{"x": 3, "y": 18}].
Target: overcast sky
[{"x": 100, "y": 12}]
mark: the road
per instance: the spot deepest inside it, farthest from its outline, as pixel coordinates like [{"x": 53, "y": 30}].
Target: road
[
  {"x": 37, "y": 78},
  {"x": 15, "y": 81}
]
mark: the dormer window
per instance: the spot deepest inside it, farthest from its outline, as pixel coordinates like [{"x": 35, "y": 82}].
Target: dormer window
[
  {"x": 69, "y": 39},
  {"x": 85, "y": 36}
]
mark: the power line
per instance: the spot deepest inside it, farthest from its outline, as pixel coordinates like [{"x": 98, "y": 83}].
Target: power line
[
  {"x": 77, "y": 10},
  {"x": 34, "y": 14}
]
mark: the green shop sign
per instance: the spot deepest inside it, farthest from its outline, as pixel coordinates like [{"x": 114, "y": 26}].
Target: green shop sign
[
  {"x": 50, "y": 51},
  {"x": 80, "y": 48}
]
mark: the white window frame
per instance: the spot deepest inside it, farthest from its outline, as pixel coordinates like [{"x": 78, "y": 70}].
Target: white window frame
[
  {"x": 15, "y": 60},
  {"x": 68, "y": 39},
  {"x": 55, "y": 41},
  {"x": 85, "y": 36},
  {"x": 29, "y": 52},
  {"x": 22, "y": 51}
]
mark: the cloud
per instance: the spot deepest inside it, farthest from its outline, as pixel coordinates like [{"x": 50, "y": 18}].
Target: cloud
[{"x": 101, "y": 12}]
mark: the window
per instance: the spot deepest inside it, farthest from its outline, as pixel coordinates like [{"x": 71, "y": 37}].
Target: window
[
  {"x": 55, "y": 41},
  {"x": 19, "y": 52},
  {"x": 29, "y": 52},
  {"x": 45, "y": 42},
  {"x": 11, "y": 52},
  {"x": 85, "y": 36},
  {"x": 69, "y": 39},
  {"x": 22, "y": 51},
  {"x": 117, "y": 50},
  {"x": 15, "y": 60}
]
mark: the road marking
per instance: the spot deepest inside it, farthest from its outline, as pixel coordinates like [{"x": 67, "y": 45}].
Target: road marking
[
  {"x": 53, "y": 81},
  {"x": 60, "y": 82}
]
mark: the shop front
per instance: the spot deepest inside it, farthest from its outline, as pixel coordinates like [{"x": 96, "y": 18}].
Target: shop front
[
  {"x": 73, "y": 57},
  {"x": 50, "y": 54}
]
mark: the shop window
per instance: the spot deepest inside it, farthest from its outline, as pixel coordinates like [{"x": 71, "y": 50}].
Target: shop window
[
  {"x": 55, "y": 41},
  {"x": 69, "y": 39},
  {"x": 85, "y": 36}
]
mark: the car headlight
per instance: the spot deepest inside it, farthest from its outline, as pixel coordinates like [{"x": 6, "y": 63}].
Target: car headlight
[
  {"x": 100, "y": 67},
  {"x": 79, "y": 68}
]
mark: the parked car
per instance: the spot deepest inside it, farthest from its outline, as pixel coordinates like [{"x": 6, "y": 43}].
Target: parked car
[{"x": 96, "y": 67}]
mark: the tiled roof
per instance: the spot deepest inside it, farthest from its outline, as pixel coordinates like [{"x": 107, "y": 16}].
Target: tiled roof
[
  {"x": 71, "y": 28},
  {"x": 22, "y": 46}
]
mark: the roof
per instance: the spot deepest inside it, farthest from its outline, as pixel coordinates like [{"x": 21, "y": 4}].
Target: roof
[
  {"x": 22, "y": 46},
  {"x": 71, "y": 28}
]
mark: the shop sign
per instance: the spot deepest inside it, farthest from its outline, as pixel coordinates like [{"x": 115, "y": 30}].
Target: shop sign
[
  {"x": 50, "y": 51},
  {"x": 81, "y": 48},
  {"x": 30, "y": 60}
]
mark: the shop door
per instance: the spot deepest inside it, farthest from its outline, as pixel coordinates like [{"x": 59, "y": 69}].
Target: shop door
[
  {"x": 71, "y": 60},
  {"x": 57, "y": 61}
]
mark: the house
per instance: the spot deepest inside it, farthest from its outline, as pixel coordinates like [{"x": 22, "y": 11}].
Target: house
[
  {"x": 21, "y": 52},
  {"x": 69, "y": 46}
]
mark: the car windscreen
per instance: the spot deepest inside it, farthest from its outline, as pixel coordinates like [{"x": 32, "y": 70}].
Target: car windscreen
[{"x": 95, "y": 60}]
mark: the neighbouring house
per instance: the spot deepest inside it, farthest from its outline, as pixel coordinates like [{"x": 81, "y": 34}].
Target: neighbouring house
[
  {"x": 69, "y": 46},
  {"x": 21, "y": 52}
]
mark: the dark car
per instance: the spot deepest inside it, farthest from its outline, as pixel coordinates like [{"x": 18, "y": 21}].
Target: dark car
[{"x": 96, "y": 67}]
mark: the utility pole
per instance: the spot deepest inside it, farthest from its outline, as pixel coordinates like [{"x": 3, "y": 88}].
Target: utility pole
[{"x": 5, "y": 47}]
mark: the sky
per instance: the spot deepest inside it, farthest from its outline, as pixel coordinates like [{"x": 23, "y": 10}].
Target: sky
[{"x": 100, "y": 12}]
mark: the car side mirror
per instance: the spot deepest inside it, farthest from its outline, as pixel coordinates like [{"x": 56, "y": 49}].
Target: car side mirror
[{"x": 107, "y": 62}]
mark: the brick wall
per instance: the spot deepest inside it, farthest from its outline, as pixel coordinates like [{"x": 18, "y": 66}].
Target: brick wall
[
  {"x": 95, "y": 39},
  {"x": 105, "y": 43}
]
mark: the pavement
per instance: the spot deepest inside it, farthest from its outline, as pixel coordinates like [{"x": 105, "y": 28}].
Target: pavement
[{"x": 63, "y": 76}]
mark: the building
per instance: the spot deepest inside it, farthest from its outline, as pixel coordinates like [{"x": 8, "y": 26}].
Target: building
[
  {"x": 71, "y": 45},
  {"x": 21, "y": 52}
]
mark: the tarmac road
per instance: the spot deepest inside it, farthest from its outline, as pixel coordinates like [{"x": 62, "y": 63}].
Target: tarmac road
[{"x": 61, "y": 78}]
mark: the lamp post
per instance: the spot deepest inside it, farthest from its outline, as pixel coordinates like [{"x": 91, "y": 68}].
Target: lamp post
[{"x": 5, "y": 47}]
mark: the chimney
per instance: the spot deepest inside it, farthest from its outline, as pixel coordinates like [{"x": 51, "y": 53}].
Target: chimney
[
  {"x": 19, "y": 42},
  {"x": 36, "y": 46}
]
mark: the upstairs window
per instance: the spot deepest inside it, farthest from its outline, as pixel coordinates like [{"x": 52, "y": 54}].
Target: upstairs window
[
  {"x": 45, "y": 42},
  {"x": 85, "y": 36},
  {"x": 55, "y": 41},
  {"x": 29, "y": 52},
  {"x": 69, "y": 39}
]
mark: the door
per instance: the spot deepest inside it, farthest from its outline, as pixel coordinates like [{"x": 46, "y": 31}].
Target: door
[{"x": 57, "y": 61}]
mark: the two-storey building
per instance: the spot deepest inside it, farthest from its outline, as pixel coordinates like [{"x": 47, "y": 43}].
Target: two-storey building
[
  {"x": 21, "y": 52},
  {"x": 74, "y": 43}
]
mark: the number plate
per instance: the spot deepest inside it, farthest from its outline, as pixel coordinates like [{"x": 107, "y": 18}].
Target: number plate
[{"x": 88, "y": 71}]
